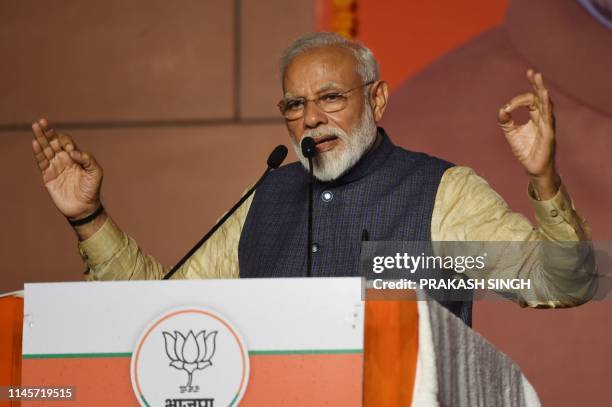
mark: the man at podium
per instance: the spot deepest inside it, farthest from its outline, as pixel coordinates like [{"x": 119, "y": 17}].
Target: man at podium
[{"x": 332, "y": 92}]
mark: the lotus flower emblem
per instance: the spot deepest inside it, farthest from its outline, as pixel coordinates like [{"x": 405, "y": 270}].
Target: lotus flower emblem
[{"x": 190, "y": 352}]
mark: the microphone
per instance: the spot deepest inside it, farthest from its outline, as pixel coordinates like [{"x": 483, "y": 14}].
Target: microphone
[
  {"x": 276, "y": 157},
  {"x": 308, "y": 147},
  {"x": 309, "y": 151}
]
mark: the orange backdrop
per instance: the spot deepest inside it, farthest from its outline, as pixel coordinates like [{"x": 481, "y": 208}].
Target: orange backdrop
[{"x": 425, "y": 30}]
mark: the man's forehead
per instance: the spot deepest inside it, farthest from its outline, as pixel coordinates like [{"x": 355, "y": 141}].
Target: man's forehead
[
  {"x": 320, "y": 69},
  {"x": 318, "y": 88}
]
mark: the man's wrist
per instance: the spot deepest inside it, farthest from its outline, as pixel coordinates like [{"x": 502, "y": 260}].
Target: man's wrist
[
  {"x": 102, "y": 244},
  {"x": 547, "y": 186},
  {"x": 86, "y": 218},
  {"x": 88, "y": 229}
]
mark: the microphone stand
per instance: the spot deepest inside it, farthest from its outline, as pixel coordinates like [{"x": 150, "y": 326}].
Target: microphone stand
[
  {"x": 310, "y": 210},
  {"x": 276, "y": 158},
  {"x": 309, "y": 150}
]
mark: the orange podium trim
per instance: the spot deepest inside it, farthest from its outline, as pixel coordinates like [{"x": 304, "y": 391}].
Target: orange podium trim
[
  {"x": 390, "y": 352},
  {"x": 11, "y": 329}
]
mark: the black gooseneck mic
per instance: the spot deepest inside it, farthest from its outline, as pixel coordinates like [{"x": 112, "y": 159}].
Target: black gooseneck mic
[
  {"x": 309, "y": 151},
  {"x": 274, "y": 161}
]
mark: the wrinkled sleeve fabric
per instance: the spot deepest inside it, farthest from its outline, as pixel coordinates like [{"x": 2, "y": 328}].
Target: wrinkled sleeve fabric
[
  {"x": 562, "y": 269},
  {"x": 113, "y": 255}
]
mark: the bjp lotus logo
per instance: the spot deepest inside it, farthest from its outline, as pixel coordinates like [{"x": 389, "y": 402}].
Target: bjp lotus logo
[
  {"x": 195, "y": 339},
  {"x": 190, "y": 352}
]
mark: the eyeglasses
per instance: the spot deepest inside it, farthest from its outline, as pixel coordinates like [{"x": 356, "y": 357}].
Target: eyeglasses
[{"x": 329, "y": 102}]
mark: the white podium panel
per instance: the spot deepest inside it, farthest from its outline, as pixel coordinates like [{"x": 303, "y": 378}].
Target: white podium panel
[{"x": 197, "y": 342}]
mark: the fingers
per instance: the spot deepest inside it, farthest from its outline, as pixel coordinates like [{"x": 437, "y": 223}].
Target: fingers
[
  {"x": 504, "y": 119},
  {"x": 504, "y": 116},
  {"x": 545, "y": 101},
  {"x": 53, "y": 141},
  {"x": 44, "y": 123},
  {"x": 531, "y": 77},
  {"x": 50, "y": 141},
  {"x": 85, "y": 160},
  {"x": 41, "y": 160},
  {"x": 528, "y": 100},
  {"x": 538, "y": 101},
  {"x": 537, "y": 82},
  {"x": 52, "y": 137},
  {"x": 49, "y": 133},
  {"x": 42, "y": 140},
  {"x": 66, "y": 142}
]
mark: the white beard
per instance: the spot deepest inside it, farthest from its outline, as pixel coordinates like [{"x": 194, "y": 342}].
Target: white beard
[{"x": 331, "y": 165}]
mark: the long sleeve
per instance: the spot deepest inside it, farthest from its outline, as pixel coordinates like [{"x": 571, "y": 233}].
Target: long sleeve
[
  {"x": 113, "y": 255},
  {"x": 563, "y": 274}
]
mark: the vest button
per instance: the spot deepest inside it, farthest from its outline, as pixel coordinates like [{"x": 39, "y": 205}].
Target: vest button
[
  {"x": 327, "y": 196},
  {"x": 314, "y": 248}
]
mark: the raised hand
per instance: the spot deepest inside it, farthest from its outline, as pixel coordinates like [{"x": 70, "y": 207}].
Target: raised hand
[
  {"x": 72, "y": 177},
  {"x": 533, "y": 143}
]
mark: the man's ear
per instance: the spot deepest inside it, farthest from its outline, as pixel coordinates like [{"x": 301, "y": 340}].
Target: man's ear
[{"x": 379, "y": 94}]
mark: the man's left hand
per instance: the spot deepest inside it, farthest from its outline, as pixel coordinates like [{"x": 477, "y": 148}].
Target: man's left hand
[{"x": 533, "y": 143}]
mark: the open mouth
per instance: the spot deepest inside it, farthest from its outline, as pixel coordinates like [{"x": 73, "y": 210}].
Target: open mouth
[{"x": 326, "y": 143}]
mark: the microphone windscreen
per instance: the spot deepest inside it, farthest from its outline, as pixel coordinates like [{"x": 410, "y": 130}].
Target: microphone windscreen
[
  {"x": 277, "y": 156},
  {"x": 308, "y": 147}
]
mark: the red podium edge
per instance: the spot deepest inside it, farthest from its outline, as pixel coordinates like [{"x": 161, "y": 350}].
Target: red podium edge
[{"x": 11, "y": 333}]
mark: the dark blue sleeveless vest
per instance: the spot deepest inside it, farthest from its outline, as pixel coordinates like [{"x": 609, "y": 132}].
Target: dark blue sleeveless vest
[{"x": 390, "y": 192}]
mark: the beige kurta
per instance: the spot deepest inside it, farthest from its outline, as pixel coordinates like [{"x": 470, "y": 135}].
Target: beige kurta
[{"x": 466, "y": 209}]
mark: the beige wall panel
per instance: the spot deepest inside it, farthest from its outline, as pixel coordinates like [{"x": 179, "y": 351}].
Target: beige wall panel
[
  {"x": 165, "y": 187},
  {"x": 116, "y": 60},
  {"x": 267, "y": 28}
]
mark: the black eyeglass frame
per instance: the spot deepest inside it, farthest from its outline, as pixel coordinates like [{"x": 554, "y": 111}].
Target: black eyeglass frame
[{"x": 283, "y": 103}]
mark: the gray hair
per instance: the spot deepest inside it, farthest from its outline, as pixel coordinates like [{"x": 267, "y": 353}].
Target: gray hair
[{"x": 367, "y": 66}]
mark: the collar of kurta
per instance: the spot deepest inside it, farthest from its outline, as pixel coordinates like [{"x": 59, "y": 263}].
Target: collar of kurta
[
  {"x": 369, "y": 163},
  {"x": 568, "y": 45}
]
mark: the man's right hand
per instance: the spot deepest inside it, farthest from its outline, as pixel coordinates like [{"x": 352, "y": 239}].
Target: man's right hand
[{"x": 72, "y": 177}]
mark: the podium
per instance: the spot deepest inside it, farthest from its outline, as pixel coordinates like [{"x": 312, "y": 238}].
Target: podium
[
  {"x": 248, "y": 342},
  {"x": 11, "y": 322}
]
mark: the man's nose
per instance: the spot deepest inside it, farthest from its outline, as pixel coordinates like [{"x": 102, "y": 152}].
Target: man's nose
[{"x": 313, "y": 115}]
